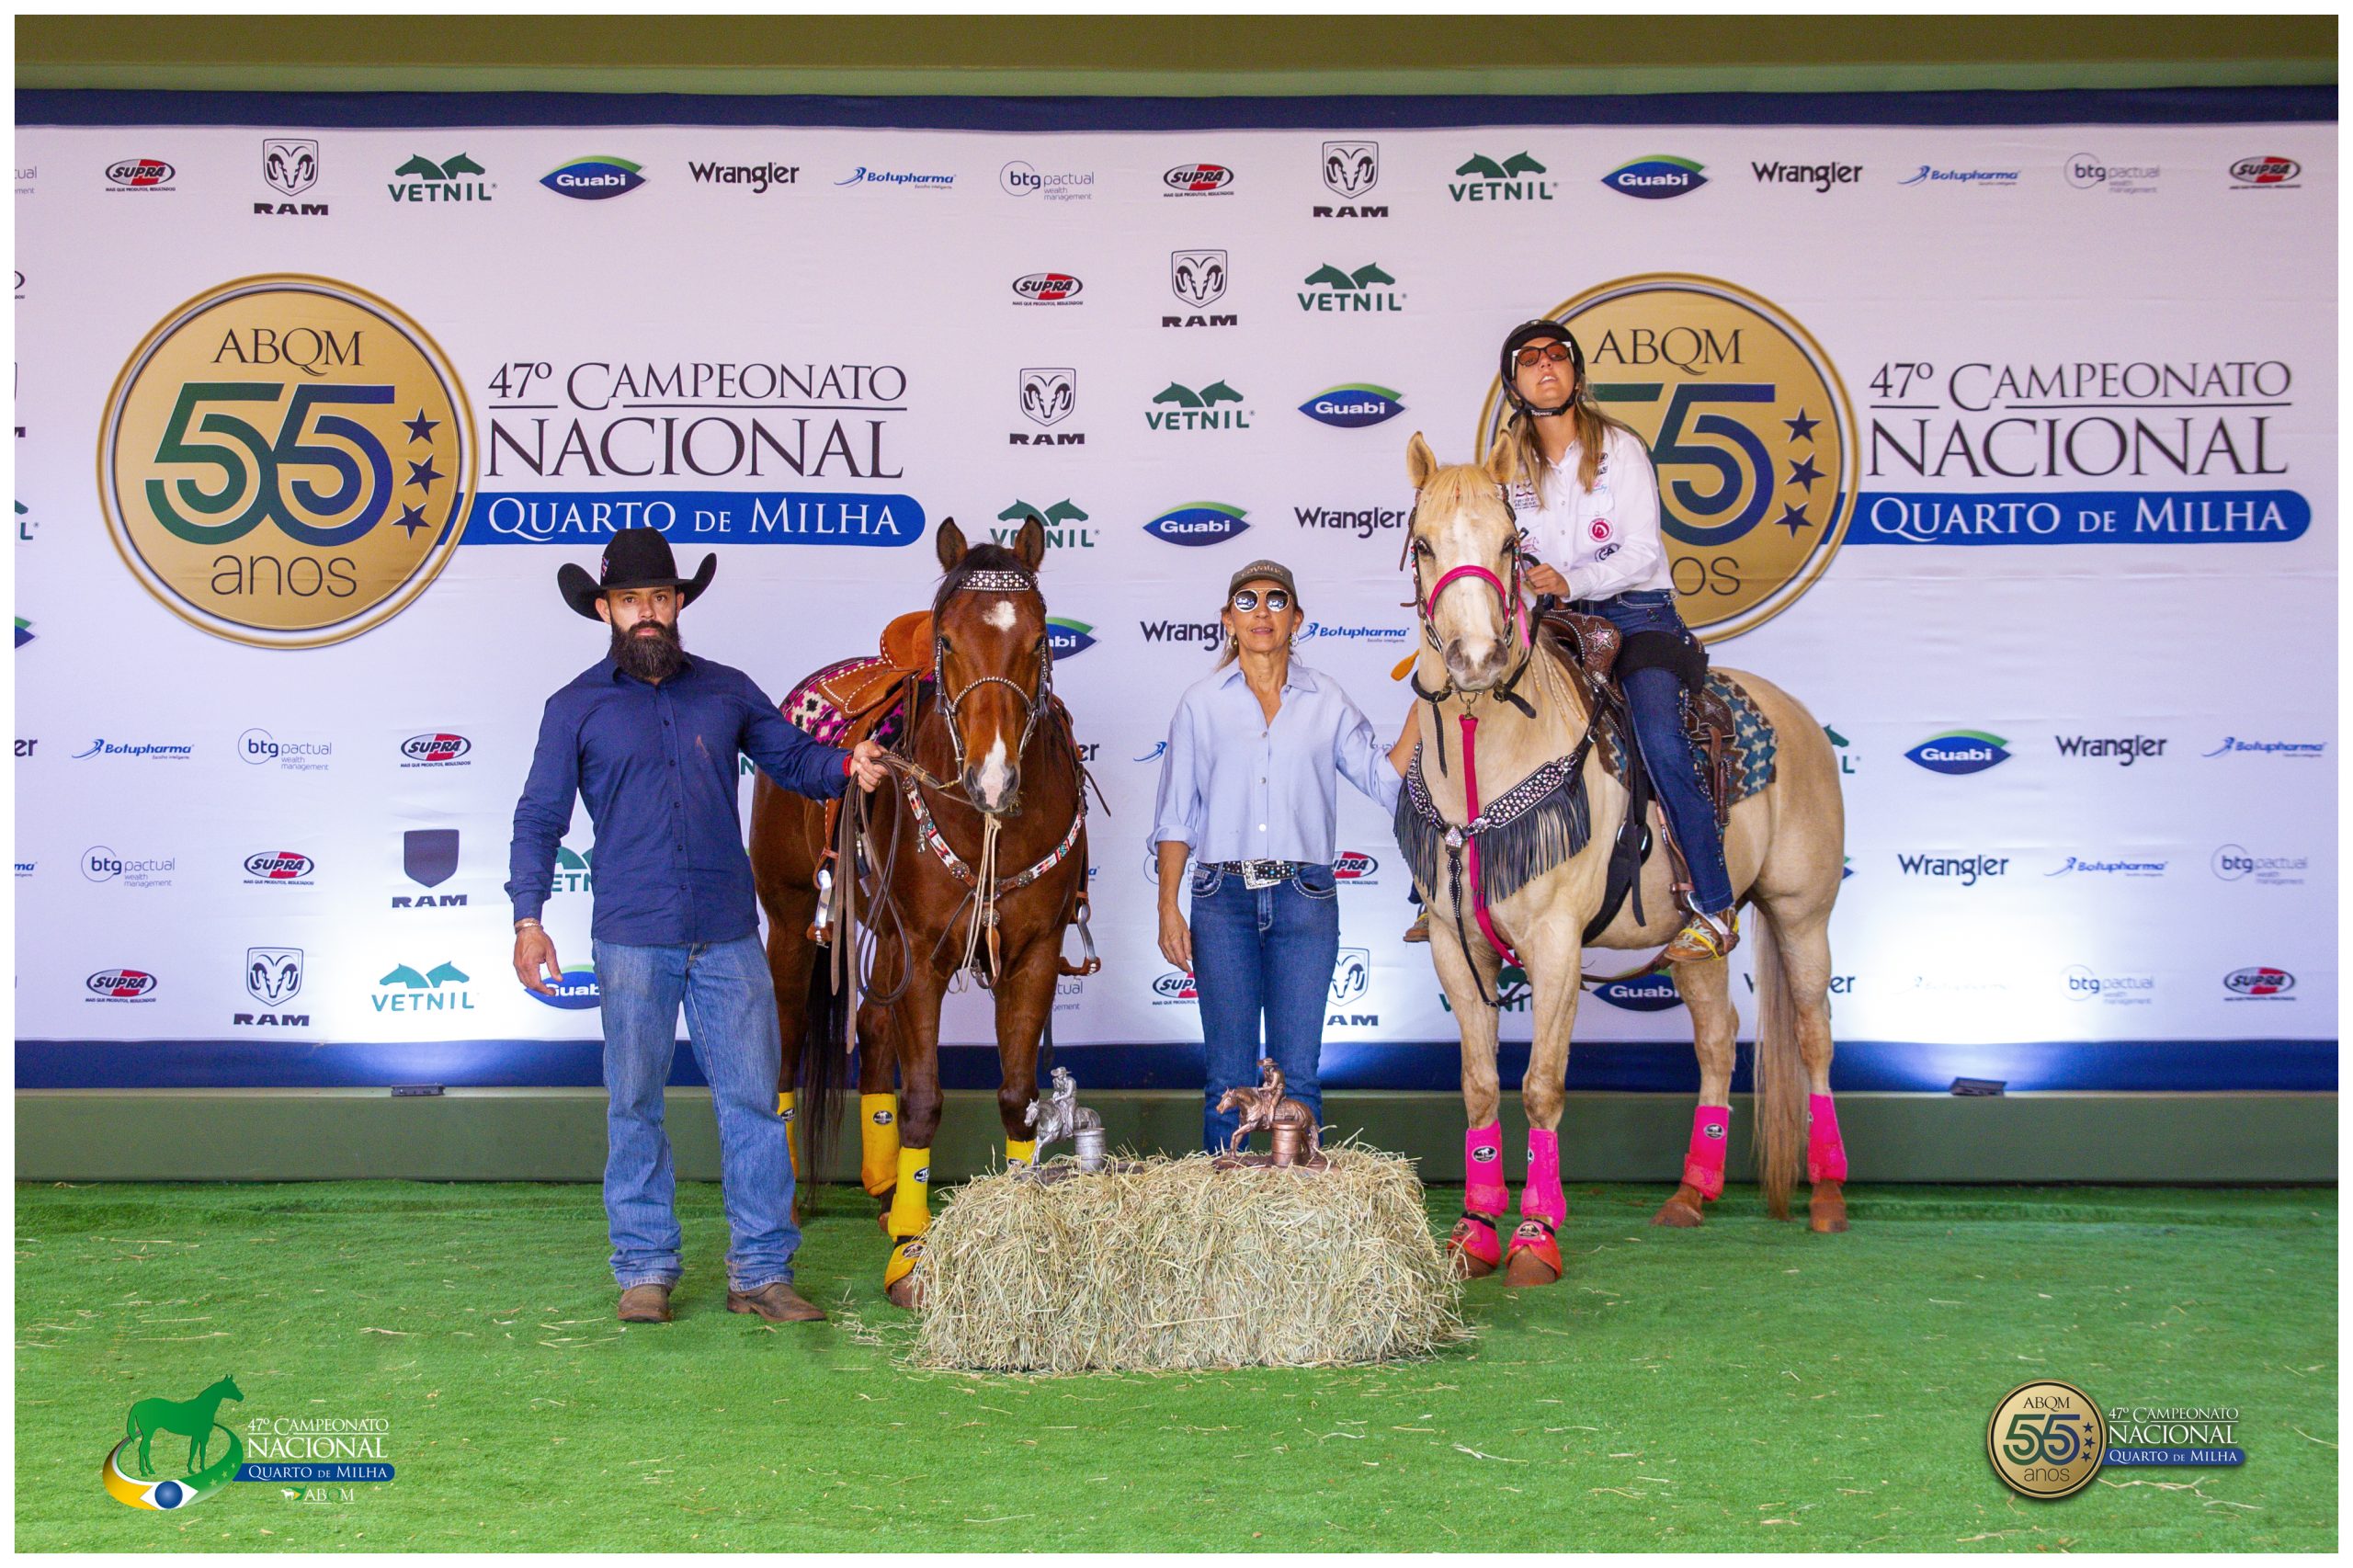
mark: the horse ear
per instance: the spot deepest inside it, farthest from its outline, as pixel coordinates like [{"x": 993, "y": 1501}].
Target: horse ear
[
  {"x": 1031, "y": 543},
  {"x": 1420, "y": 461},
  {"x": 950, "y": 542},
  {"x": 1503, "y": 461}
]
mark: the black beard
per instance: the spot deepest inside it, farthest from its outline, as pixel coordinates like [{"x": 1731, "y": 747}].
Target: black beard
[{"x": 653, "y": 656}]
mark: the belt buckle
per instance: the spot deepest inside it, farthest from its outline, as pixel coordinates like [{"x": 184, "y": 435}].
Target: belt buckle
[{"x": 1258, "y": 874}]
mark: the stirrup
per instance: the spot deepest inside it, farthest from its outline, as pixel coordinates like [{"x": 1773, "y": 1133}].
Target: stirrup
[
  {"x": 1419, "y": 931},
  {"x": 1703, "y": 938}
]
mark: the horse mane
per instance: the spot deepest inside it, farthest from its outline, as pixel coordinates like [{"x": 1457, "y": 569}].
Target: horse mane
[
  {"x": 979, "y": 557},
  {"x": 1457, "y": 486}
]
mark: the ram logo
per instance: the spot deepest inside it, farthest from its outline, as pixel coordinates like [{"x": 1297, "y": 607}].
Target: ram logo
[
  {"x": 1351, "y": 168},
  {"x": 1049, "y": 395},
  {"x": 290, "y": 164},
  {"x": 274, "y": 975},
  {"x": 1197, "y": 277}
]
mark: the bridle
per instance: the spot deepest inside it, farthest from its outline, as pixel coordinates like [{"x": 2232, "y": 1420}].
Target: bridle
[
  {"x": 1035, "y": 700},
  {"x": 1515, "y": 612}
]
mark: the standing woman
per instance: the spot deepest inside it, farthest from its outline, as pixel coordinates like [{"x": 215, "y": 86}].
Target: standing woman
[
  {"x": 1248, "y": 787},
  {"x": 1587, "y": 500}
]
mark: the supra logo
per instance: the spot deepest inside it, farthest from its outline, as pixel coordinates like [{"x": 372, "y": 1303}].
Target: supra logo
[
  {"x": 440, "y": 749},
  {"x": 1196, "y": 523},
  {"x": 1643, "y": 993},
  {"x": 1068, "y": 638},
  {"x": 1049, "y": 395},
  {"x": 274, "y": 975},
  {"x": 2271, "y": 173},
  {"x": 223, "y": 403},
  {"x": 1656, "y": 178},
  {"x": 1481, "y": 179},
  {"x": 421, "y": 180},
  {"x": 1354, "y": 406},
  {"x": 1329, "y": 289},
  {"x": 1198, "y": 179},
  {"x": 1046, "y": 288},
  {"x": 1179, "y": 407},
  {"x": 2259, "y": 981},
  {"x": 120, "y": 985},
  {"x": 1960, "y": 751},
  {"x": 1354, "y": 866},
  {"x": 280, "y": 867},
  {"x": 1060, "y": 519},
  {"x": 1175, "y": 986},
  {"x": 594, "y": 179},
  {"x": 140, "y": 174},
  {"x": 289, "y": 165}
]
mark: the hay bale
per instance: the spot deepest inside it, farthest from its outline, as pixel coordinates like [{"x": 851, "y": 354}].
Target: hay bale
[{"x": 1171, "y": 1266}]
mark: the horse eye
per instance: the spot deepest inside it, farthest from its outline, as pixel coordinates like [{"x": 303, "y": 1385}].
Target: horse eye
[{"x": 1421, "y": 547}]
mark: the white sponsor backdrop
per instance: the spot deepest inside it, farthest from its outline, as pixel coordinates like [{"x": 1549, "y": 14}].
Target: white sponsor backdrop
[{"x": 2219, "y": 293}]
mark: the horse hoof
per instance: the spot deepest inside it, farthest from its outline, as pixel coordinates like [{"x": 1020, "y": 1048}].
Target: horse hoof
[
  {"x": 1681, "y": 1215},
  {"x": 903, "y": 1276},
  {"x": 1535, "y": 1256},
  {"x": 905, "y": 1294},
  {"x": 1473, "y": 1250},
  {"x": 1827, "y": 1213}
]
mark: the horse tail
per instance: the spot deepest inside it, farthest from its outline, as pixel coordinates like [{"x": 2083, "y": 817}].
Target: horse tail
[
  {"x": 823, "y": 1022},
  {"x": 1779, "y": 1072}
]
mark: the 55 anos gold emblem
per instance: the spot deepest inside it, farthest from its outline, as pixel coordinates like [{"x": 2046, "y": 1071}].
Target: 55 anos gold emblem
[
  {"x": 287, "y": 461},
  {"x": 1747, "y": 424}
]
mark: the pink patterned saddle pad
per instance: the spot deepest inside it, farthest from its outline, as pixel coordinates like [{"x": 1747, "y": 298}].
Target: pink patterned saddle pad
[{"x": 826, "y": 703}]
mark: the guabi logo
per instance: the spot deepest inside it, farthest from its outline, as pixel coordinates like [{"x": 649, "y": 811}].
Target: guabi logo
[
  {"x": 1353, "y": 406},
  {"x": 1748, "y": 427},
  {"x": 1068, "y": 638},
  {"x": 1198, "y": 179},
  {"x": 120, "y": 985},
  {"x": 1353, "y": 866},
  {"x": 440, "y": 749},
  {"x": 1960, "y": 751},
  {"x": 1656, "y": 178},
  {"x": 2273, "y": 171},
  {"x": 278, "y": 866},
  {"x": 287, "y": 461},
  {"x": 1643, "y": 993},
  {"x": 2259, "y": 981},
  {"x": 594, "y": 179},
  {"x": 575, "y": 990},
  {"x": 1046, "y": 288},
  {"x": 140, "y": 174},
  {"x": 1198, "y": 522}
]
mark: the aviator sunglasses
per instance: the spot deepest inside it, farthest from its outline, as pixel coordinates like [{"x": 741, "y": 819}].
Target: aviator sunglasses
[
  {"x": 1535, "y": 354},
  {"x": 1246, "y": 600}
]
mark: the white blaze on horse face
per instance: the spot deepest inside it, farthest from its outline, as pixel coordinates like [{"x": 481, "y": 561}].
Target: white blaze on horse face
[
  {"x": 1473, "y": 632},
  {"x": 994, "y": 776},
  {"x": 1000, "y": 614}
]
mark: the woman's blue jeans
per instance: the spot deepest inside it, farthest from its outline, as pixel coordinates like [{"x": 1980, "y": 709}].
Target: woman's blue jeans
[
  {"x": 1656, "y": 698},
  {"x": 1262, "y": 956},
  {"x": 730, "y": 1020}
]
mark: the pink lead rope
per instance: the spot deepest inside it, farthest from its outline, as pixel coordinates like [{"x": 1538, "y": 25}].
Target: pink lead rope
[{"x": 1518, "y": 613}]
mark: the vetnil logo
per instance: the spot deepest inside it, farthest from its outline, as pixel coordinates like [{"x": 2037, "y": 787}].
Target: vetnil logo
[
  {"x": 1482, "y": 178},
  {"x": 1060, "y": 520},
  {"x": 1960, "y": 751},
  {"x": 421, "y": 180},
  {"x": 1656, "y": 178},
  {"x": 1198, "y": 522},
  {"x": 1216, "y": 407},
  {"x": 1354, "y": 404},
  {"x": 1329, "y": 289}
]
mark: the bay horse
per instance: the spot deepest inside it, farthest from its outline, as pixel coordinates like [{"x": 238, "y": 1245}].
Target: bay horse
[
  {"x": 987, "y": 776},
  {"x": 1523, "y": 749}
]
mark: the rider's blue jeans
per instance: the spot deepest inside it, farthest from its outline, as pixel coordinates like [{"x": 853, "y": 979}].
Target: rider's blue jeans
[
  {"x": 1656, "y": 698},
  {"x": 1262, "y": 954}
]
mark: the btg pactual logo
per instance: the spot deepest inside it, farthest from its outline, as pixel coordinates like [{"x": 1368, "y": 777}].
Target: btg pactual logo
[
  {"x": 287, "y": 461},
  {"x": 1747, "y": 424}
]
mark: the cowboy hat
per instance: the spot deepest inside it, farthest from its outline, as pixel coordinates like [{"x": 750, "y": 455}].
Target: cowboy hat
[{"x": 637, "y": 558}]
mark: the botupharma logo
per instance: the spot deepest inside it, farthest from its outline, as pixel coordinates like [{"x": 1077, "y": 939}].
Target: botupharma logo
[
  {"x": 287, "y": 461},
  {"x": 1747, "y": 422}
]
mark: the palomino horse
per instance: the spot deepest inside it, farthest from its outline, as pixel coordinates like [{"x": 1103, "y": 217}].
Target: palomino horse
[
  {"x": 989, "y": 778},
  {"x": 1522, "y": 749}
]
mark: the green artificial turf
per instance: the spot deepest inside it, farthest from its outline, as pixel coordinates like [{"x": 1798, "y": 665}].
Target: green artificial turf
[{"x": 1747, "y": 1386}]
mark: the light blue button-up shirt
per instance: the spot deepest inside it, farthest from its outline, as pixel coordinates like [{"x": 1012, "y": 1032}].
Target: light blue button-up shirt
[{"x": 1237, "y": 788}]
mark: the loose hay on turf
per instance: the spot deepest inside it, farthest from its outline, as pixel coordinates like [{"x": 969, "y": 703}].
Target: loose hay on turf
[{"x": 1173, "y": 1266}]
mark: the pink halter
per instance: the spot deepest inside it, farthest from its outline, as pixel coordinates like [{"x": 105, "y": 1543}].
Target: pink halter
[{"x": 1510, "y": 596}]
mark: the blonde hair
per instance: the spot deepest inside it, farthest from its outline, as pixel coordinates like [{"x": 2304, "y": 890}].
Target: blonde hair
[{"x": 1593, "y": 428}]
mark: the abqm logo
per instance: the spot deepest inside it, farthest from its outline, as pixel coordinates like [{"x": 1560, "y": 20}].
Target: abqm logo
[
  {"x": 1354, "y": 406},
  {"x": 1960, "y": 751},
  {"x": 1196, "y": 523}
]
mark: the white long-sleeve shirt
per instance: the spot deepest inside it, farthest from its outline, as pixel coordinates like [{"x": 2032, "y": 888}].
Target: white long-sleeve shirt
[{"x": 1605, "y": 540}]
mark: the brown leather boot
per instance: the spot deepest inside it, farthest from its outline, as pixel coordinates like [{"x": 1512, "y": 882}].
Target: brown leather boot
[
  {"x": 644, "y": 1303},
  {"x": 778, "y": 1302},
  {"x": 1419, "y": 931}
]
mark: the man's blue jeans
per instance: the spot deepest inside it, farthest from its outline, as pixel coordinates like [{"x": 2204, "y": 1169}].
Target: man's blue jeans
[
  {"x": 1262, "y": 953},
  {"x": 1656, "y": 698},
  {"x": 730, "y": 1020}
]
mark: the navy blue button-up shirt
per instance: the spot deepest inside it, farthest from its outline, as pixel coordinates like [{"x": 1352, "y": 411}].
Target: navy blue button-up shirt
[{"x": 657, "y": 764}]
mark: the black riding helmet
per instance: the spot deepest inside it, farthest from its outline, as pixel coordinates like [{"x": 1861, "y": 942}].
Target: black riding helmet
[{"x": 1538, "y": 331}]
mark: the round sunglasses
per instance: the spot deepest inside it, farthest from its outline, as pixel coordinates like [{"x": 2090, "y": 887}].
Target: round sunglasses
[
  {"x": 1533, "y": 355},
  {"x": 1246, "y": 599}
]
